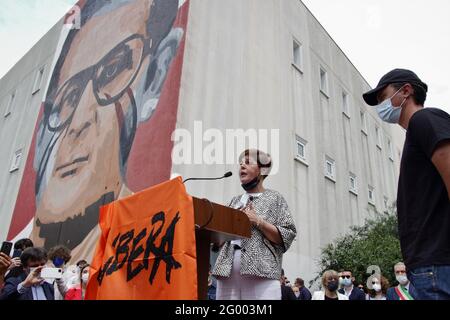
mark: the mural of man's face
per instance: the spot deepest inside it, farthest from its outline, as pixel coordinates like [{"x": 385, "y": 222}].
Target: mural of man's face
[{"x": 104, "y": 65}]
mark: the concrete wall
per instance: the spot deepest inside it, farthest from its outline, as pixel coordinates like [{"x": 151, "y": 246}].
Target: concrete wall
[
  {"x": 16, "y": 130},
  {"x": 238, "y": 73}
]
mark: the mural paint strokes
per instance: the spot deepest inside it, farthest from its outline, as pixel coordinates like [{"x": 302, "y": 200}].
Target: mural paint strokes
[{"x": 105, "y": 126}]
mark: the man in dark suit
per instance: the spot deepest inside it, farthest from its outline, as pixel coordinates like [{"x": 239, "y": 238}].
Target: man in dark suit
[
  {"x": 349, "y": 289},
  {"x": 286, "y": 292},
  {"x": 29, "y": 285},
  {"x": 404, "y": 290},
  {"x": 304, "y": 293}
]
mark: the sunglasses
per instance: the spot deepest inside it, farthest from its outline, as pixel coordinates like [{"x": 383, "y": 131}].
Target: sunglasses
[{"x": 346, "y": 277}]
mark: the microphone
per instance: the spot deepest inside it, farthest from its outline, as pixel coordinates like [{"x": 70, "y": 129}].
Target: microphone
[{"x": 226, "y": 175}]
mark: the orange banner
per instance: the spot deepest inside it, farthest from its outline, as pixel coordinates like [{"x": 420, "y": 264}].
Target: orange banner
[{"x": 147, "y": 248}]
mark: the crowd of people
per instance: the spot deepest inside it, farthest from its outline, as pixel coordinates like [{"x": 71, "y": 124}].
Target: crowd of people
[
  {"x": 341, "y": 286},
  {"x": 21, "y": 278},
  {"x": 251, "y": 269}
]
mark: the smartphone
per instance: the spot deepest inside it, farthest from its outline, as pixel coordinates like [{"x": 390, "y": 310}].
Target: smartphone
[
  {"x": 51, "y": 273},
  {"x": 6, "y": 247},
  {"x": 16, "y": 253}
]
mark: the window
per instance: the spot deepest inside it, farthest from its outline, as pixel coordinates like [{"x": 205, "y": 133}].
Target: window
[
  {"x": 300, "y": 145},
  {"x": 363, "y": 122},
  {"x": 345, "y": 104},
  {"x": 10, "y": 104},
  {"x": 15, "y": 163},
  {"x": 386, "y": 204},
  {"x": 38, "y": 80},
  {"x": 324, "y": 81},
  {"x": 390, "y": 150},
  {"x": 371, "y": 195},
  {"x": 353, "y": 184},
  {"x": 378, "y": 135},
  {"x": 330, "y": 168},
  {"x": 298, "y": 55}
]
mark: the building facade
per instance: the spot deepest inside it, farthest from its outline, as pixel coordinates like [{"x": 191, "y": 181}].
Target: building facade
[{"x": 253, "y": 64}]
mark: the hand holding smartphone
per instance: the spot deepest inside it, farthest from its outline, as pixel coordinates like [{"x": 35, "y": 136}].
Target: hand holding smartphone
[{"x": 6, "y": 247}]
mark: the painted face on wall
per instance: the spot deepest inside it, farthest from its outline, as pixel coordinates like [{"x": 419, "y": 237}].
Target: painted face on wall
[{"x": 91, "y": 113}]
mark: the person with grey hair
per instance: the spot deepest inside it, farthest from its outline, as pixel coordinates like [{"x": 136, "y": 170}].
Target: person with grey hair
[
  {"x": 405, "y": 290},
  {"x": 251, "y": 269},
  {"x": 107, "y": 80}
]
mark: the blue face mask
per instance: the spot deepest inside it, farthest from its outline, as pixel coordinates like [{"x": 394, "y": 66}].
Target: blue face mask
[
  {"x": 58, "y": 262},
  {"x": 347, "y": 282},
  {"x": 387, "y": 112}
]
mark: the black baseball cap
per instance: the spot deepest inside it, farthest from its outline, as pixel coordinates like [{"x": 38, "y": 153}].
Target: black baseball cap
[{"x": 394, "y": 76}]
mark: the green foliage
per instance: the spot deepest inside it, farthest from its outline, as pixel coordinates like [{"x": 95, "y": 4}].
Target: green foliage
[{"x": 375, "y": 243}]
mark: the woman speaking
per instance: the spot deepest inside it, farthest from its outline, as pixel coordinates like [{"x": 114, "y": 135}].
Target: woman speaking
[{"x": 250, "y": 269}]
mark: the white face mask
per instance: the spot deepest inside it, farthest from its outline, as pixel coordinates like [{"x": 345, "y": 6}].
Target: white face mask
[
  {"x": 377, "y": 287},
  {"x": 85, "y": 277},
  {"x": 387, "y": 112},
  {"x": 403, "y": 280},
  {"x": 297, "y": 294}
]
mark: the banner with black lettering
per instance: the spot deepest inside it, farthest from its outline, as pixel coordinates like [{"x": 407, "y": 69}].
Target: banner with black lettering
[{"x": 147, "y": 247}]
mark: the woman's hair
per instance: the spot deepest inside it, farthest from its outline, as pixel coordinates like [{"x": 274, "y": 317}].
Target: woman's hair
[
  {"x": 61, "y": 252},
  {"x": 22, "y": 244},
  {"x": 82, "y": 268},
  {"x": 384, "y": 287},
  {"x": 327, "y": 274},
  {"x": 81, "y": 263},
  {"x": 264, "y": 160}
]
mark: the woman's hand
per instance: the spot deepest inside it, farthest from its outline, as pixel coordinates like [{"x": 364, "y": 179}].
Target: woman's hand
[
  {"x": 252, "y": 216},
  {"x": 268, "y": 230}
]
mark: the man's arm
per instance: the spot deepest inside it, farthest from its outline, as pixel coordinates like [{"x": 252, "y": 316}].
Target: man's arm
[
  {"x": 9, "y": 291},
  {"x": 441, "y": 160}
]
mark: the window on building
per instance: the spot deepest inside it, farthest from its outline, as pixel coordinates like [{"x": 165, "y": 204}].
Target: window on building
[
  {"x": 298, "y": 55},
  {"x": 15, "y": 163},
  {"x": 300, "y": 145},
  {"x": 386, "y": 204},
  {"x": 345, "y": 104},
  {"x": 363, "y": 122},
  {"x": 324, "y": 81},
  {"x": 330, "y": 168},
  {"x": 353, "y": 183},
  {"x": 10, "y": 104},
  {"x": 371, "y": 195},
  {"x": 38, "y": 81},
  {"x": 378, "y": 137},
  {"x": 390, "y": 150}
]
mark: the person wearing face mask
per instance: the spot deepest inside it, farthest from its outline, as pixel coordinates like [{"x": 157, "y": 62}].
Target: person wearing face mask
[
  {"x": 348, "y": 289},
  {"x": 59, "y": 256},
  {"x": 304, "y": 293},
  {"x": 250, "y": 269},
  {"x": 29, "y": 285},
  {"x": 78, "y": 291},
  {"x": 423, "y": 200},
  {"x": 405, "y": 290},
  {"x": 330, "y": 285},
  {"x": 380, "y": 286}
]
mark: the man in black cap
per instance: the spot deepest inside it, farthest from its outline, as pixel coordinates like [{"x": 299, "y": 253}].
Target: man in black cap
[{"x": 423, "y": 200}]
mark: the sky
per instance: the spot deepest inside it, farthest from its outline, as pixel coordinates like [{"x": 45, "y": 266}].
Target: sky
[{"x": 376, "y": 35}]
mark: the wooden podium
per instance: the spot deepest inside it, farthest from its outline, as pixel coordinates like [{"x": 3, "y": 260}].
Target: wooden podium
[{"x": 215, "y": 223}]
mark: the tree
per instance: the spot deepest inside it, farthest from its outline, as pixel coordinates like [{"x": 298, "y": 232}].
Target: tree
[{"x": 375, "y": 243}]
